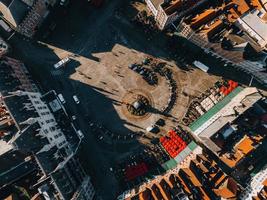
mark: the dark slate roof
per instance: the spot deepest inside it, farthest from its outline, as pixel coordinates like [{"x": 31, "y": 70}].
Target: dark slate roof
[
  {"x": 48, "y": 160},
  {"x": 13, "y": 166},
  {"x": 7, "y": 81},
  {"x": 29, "y": 140},
  {"x": 16, "y": 105},
  {"x": 64, "y": 184}
]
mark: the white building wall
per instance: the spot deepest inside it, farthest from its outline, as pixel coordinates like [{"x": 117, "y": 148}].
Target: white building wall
[
  {"x": 47, "y": 122},
  {"x": 161, "y": 18},
  {"x": 151, "y": 7}
]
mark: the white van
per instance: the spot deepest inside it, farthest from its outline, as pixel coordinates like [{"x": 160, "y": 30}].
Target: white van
[
  {"x": 61, "y": 62},
  {"x": 80, "y": 134},
  {"x": 61, "y": 98},
  {"x": 75, "y": 98}
]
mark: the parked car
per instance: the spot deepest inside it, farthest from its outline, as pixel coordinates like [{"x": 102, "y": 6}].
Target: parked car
[
  {"x": 75, "y": 98},
  {"x": 61, "y": 98},
  {"x": 80, "y": 134},
  {"x": 73, "y": 117}
]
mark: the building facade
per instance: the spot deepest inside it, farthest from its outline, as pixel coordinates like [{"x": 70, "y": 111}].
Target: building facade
[
  {"x": 25, "y": 16},
  {"x": 167, "y": 12},
  {"x": 30, "y": 128}
]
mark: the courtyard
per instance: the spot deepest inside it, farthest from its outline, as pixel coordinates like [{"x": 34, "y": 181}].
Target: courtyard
[{"x": 115, "y": 85}]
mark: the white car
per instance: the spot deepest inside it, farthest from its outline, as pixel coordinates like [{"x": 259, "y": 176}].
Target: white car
[
  {"x": 61, "y": 98},
  {"x": 73, "y": 117},
  {"x": 75, "y": 98},
  {"x": 61, "y": 62},
  {"x": 80, "y": 134}
]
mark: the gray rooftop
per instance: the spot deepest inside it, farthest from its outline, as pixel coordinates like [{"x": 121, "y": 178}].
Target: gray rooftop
[{"x": 254, "y": 26}]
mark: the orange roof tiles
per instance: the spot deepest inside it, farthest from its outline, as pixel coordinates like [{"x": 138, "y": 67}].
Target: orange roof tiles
[
  {"x": 220, "y": 180},
  {"x": 163, "y": 191},
  {"x": 224, "y": 192},
  {"x": 242, "y": 6},
  {"x": 243, "y": 148},
  {"x": 264, "y": 17},
  {"x": 236, "y": 8},
  {"x": 145, "y": 195},
  {"x": 212, "y": 29},
  {"x": 201, "y": 166},
  {"x": 204, "y": 194},
  {"x": 169, "y": 182},
  {"x": 174, "y": 5},
  {"x": 228, "y": 189},
  {"x": 233, "y": 160},
  {"x": 256, "y": 198},
  {"x": 11, "y": 197},
  {"x": 192, "y": 176},
  {"x": 233, "y": 16},
  {"x": 156, "y": 192},
  {"x": 202, "y": 18},
  {"x": 223, "y": 186},
  {"x": 256, "y": 4},
  {"x": 195, "y": 182}
]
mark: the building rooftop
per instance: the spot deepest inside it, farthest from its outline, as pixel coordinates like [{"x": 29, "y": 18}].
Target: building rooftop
[
  {"x": 4, "y": 147},
  {"x": 256, "y": 189},
  {"x": 224, "y": 111},
  {"x": 48, "y": 160},
  {"x": 30, "y": 140},
  {"x": 190, "y": 182},
  {"x": 156, "y": 3},
  {"x": 235, "y": 127},
  {"x": 213, "y": 111},
  {"x": 14, "y": 11},
  {"x": 14, "y": 164},
  {"x": 254, "y": 26},
  {"x": 3, "y": 47}
]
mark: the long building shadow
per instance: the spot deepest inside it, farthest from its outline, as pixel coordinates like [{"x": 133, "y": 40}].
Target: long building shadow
[{"x": 86, "y": 31}]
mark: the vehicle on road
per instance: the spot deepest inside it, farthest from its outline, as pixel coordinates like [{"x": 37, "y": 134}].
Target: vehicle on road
[
  {"x": 73, "y": 117},
  {"x": 61, "y": 98},
  {"x": 75, "y": 98},
  {"x": 62, "y": 62},
  {"x": 201, "y": 66},
  {"x": 64, "y": 2},
  {"x": 80, "y": 134}
]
